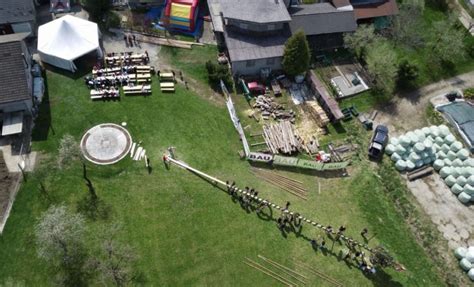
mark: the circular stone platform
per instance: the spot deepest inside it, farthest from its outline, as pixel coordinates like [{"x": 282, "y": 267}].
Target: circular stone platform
[{"x": 106, "y": 144}]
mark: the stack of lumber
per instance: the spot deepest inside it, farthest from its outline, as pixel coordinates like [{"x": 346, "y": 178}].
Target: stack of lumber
[
  {"x": 420, "y": 172},
  {"x": 276, "y": 88},
  {"x": 137, "y": 153},
  {"x": 312, "y": 146},
  {"x": 281, "y": 138},
  {"x": 316, "y": 112},
  {"x": 270, "y": 108},
  {"x": 167, "y": 42},
  {"x": 167, "y": 81},
  {"x": 104, "y": 94},
  {"x": 289, "y": 185},
  {"x": 137, "y": 90}
]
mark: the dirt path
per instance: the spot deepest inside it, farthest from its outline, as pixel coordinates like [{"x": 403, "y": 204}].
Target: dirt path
[{"x": 407, "y": 112}]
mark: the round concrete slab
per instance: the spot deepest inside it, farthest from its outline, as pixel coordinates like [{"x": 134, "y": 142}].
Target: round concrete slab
[{"x": 106, "y": 144}]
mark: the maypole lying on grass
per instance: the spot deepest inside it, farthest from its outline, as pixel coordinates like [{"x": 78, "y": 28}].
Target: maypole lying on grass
[{"x": 379, "y": 254}]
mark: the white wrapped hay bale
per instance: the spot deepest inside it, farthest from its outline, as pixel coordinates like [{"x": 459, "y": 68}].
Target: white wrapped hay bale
[
  {"x": 440, "y": 154},
  {"x": 438, "y": 164},
  {"x": 419, "y": 163},
  {"x": 470, "y": 274},
  {"x": 456, "y": 189},
  {"x": 463, "y": 154},
  {"x": 431, "y": 138},
  {"x": 426, "y": 131},
  {"x": 412, "y": 137},
  {"x": 390, "y": 149},
  {"x": 469, "y": 162},
  {"x": 404, "y": 141},
  {"x": 470, "y": 255},
  {"x": 464, "y": 198},
  {"x": 439, "y": 140},
  {"x": 448, "y": 162},
  {"x": 434, "y": 131},
  {"x": 451, "y": 155},
  {"x": 410, "y": 165},
  {"x": 420, "y": 134},
  {"x": 400, "y": 165},
  {"x": 395, "y": 157},
  {"x": 467, "y": 171},
  {"x": 455, "y": 172},
  {"x": 428, "y": 143},
  {"x": 445, "y": 171},
  {"x": 444, "y": 130},
  {"x": 465, "y": 264},
  {"x": 427, "y": 160},
  {"x": 449, "y": 139},
  {"x": 394, "y": 141},
  {"x": 469, "y": 189},
  {"x": 450, "y": 180},
  {"x": 400, "y": 149},
  {"x": 461, "y": 180},
  {"x": 470, "y": 180},
  {"x": 456, "y": 146},
  {"x": 419, "y": 147},
  {"x": 460, "y": 252},
  {"x": 414, "y": 156},
  {"x": 445, "y": 148},
  {"x": 458, "y": 163}
]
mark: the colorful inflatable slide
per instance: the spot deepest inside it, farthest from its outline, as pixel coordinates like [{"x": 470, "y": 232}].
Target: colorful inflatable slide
[{"x": 182, "y": 14}]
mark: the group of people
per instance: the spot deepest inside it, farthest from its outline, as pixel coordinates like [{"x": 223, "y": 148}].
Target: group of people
[
  {"x": 103, "y": 82},
  {"x": 130, "y": 40}
]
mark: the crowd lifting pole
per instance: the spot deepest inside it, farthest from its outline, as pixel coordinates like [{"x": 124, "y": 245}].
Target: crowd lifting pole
[{"x": 169, "y": 159}]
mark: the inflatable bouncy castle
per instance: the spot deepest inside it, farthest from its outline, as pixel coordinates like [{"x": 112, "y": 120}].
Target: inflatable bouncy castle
[{"x": 182, "y": 14}]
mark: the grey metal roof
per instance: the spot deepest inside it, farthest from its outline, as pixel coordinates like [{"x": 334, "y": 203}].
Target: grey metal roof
[
  {"x": 243, "y": 47},
  {"x": 257, "y": 11},
  {"x": 14, "y": 86},
  {"x": 15, "y": 11},
  {"x": 215, "y": 12},
  {"x": 322, "y": 18}
]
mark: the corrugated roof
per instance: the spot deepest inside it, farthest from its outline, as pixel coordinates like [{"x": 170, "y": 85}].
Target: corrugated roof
[
  {"x": 372, "y": 11},
  {"x": 215, "y": 12},
  {"x": 257, "y": 11},
  {"x": 321, "y": 18},
  {"x": 15, "y": 11},
  {"x": 243, "y": 47},
  {"x": 14, "y": 85}
]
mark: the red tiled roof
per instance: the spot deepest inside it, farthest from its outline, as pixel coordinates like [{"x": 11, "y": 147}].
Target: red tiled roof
[{"x": 371, "y": 11}]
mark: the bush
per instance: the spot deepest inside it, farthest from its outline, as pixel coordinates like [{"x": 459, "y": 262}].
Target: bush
[
  {"x": 469, "y": 93},
  {"x": 97, "y": 8},
  {"x": 216, "y": 73},
  {"x": 112, "y": 20},
  {"x": 407, "y": 72}
]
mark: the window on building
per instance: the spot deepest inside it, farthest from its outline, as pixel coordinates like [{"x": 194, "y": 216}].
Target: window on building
[
  {"x": 250, "y": 63},
  {"x": 271, "y": 61},
  {"x": 271, "y": 27}
]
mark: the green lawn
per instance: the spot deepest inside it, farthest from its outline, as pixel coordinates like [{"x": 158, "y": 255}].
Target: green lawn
[{"x": 186, "y": 232}]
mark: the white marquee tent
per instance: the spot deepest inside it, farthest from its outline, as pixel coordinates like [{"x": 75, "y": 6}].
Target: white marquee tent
[{"x": 63, "y": 40}]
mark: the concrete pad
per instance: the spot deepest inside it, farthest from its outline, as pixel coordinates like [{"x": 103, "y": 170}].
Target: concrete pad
[{"x": 106, "y": 144}]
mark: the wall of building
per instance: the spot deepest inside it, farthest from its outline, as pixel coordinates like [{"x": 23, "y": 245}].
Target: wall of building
[
  {"x": 255, "y": 66},
  {"x": 255, "y": 27}
]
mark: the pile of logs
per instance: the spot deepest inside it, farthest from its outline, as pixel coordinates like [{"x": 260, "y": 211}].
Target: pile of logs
[
  {"x": 281, "y": 138},
  {"x": 318, "y": 114},
  {"x": 270, "y": 108}
]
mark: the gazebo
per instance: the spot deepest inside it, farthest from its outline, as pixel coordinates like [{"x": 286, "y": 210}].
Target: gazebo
[{"x": 63, "y": 40}]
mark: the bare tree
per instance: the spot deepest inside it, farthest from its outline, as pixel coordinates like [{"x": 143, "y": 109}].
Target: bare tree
[
  {"x": 59, "y": 241},
  {"x": 115, "y": 260},
  {"x": 68, "y": 151}
]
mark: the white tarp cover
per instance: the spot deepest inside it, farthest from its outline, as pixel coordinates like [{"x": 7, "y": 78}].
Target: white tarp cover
[
  {"x": 63, "y": 40},
  {"x": 12, "y": 123}
]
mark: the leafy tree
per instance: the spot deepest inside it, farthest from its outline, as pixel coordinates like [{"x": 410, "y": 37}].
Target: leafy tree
[
  {"x": 68, "y": 151},
  {"x": 97, "y": 8},
  {"x": 381, "y": 62},
  {"x": 447, "y": 44},
  {"x": 406, "y": 26},
  {"x": 297, "y": 55},
  {"x": 60, "y": 242},
  {"x": 360, "y": 39},
  {"x": 407, "y": 72},
  {"x": 217, "y": 72}
]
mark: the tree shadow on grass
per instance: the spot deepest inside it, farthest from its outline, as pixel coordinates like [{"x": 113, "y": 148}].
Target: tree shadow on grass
[{"x": 93, "y": 208}]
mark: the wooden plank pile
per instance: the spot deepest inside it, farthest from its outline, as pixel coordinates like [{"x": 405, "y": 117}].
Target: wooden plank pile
[
  {"x": 289, "y": 185},
  {"x": 167, "y": 42},
  {"x": 281, "y": 273},
  {"x": 316, "y": 112},
  {"x": 281, "y": 138},
  {"x": 270, "y": 108},
  {"x": 419, "y": 173}
]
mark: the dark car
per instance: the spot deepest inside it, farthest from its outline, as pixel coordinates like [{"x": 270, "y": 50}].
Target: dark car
[{"x": 378, "y": 142}]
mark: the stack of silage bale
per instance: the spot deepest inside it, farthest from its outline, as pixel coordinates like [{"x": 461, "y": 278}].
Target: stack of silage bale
[
  {"x": 466, "y": 260},
  {"x": 436, "y": 145}
]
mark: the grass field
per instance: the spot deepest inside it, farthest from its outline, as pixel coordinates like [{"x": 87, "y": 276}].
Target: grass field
[{"x": 186, "y": 232}]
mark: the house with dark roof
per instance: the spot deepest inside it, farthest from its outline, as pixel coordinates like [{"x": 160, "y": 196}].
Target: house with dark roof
[
  {"x": 17, "y": 16},
  {"x": 255, "y": 32},
  {"x": 16, "y": 90},
  {"x": 372, "y": 10}
]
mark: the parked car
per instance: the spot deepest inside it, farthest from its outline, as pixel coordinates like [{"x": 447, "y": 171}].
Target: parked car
[
  {"x": 378, "y": 142},
  {"x": 256, "y": 88}
]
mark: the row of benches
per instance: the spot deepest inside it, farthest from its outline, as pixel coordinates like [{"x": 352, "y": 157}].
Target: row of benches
[{"x": 115, "y": 93}]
